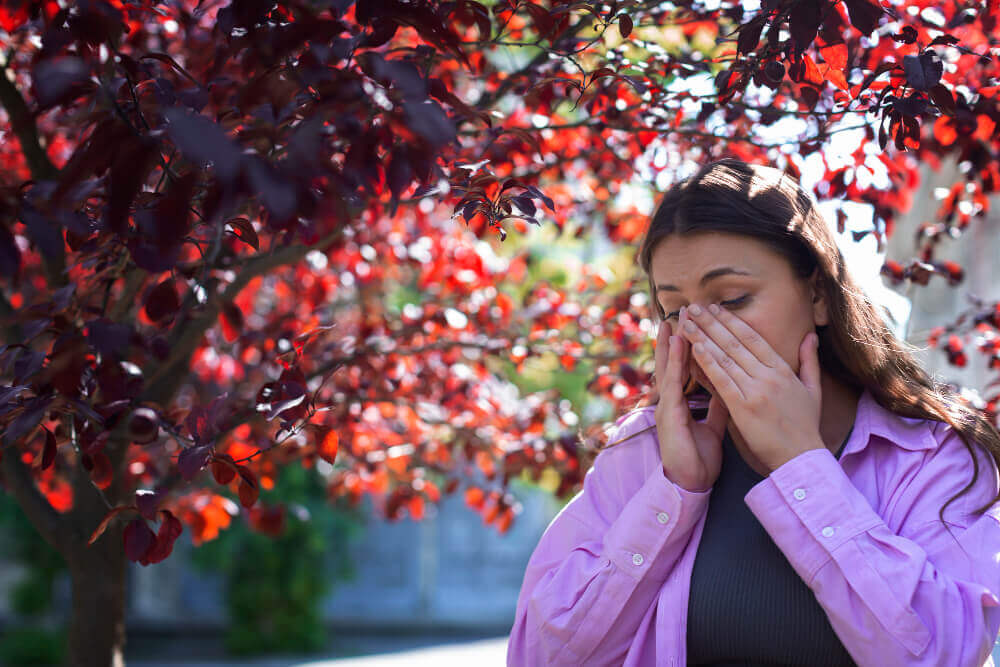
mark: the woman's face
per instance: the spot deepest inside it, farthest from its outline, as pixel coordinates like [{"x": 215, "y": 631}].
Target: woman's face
[{"x": 744, "y": 276}]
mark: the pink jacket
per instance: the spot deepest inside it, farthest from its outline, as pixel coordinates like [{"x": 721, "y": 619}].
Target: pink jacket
[{"x": 609, "y": 580}]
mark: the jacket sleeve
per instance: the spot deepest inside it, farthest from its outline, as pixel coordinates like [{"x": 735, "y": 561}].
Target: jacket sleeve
[
  {"x": 918, "y": 595},
  {"x": 601, "y": 562}
]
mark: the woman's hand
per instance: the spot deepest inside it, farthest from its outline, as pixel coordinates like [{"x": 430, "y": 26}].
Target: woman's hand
[
  {"x": 691, "y": 451},
  {"x": 776, "y": 411}
]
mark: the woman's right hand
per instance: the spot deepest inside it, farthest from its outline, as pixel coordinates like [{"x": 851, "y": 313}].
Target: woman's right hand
[{"x": 691, "y": 451}]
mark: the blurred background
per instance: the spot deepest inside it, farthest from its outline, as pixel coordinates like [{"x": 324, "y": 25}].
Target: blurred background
[
  {"x": 333, "y": 565},
  {"x": 324, "y": 581}
]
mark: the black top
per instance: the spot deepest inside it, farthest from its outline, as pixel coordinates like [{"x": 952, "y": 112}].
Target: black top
[{"x": 748, "y": 607}]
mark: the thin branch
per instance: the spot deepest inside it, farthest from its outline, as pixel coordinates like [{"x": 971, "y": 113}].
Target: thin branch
[{"x": 163, "y": 383}]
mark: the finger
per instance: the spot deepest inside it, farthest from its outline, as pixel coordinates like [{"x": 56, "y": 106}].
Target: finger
[
  {"x": 713, "y": 328},
  {"x": 718, "y": 415},
  {"x": 721, "y": 371},
  {"x": 672, "y": 389},
  {"x": 751, "y": 340},
  {"x": 809, "y": 371},
  {"x": 660, "y": 351}
]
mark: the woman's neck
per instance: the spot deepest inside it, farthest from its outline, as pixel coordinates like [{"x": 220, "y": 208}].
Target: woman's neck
[{"x": 840, "y": 406}]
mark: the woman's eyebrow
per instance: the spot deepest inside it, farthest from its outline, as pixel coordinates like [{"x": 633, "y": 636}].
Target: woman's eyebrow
[{"x": 714, "y": 273}]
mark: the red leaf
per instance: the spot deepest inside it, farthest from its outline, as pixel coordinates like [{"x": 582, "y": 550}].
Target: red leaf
[
  {"x": 328, "y": 446},
  {"x": 624, "y": 25},
  {"x": 244, "y": 231},
  {"x": 102, "y": 474},
  {"x": 170, "y": 530},
  {"x": 106, "y": 521},
  {"x": 249, "y": 489},
  {"x": 223, "y": 468},
  {"x": 248, "y": 493}
]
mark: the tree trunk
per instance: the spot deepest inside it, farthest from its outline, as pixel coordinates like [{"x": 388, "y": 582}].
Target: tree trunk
[{"x": 97, "y": 626}]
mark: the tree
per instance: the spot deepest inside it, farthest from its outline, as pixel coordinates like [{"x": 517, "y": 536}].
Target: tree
[{"x": 228, "y": 240}]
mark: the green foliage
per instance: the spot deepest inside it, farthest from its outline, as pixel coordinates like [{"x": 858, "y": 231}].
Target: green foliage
[
  {"x": 31, "y": 646},
  {"x": 275, "y": 585},
  {"x": 25, "y": 641}
]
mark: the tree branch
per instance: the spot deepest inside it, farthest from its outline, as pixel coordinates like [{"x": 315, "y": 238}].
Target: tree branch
[
  {"x": 24, "y": 127},
  {"x": 20, "y": 484},
  {"x": 167, "y": 378},
  {"x": 23, "y": 124}
]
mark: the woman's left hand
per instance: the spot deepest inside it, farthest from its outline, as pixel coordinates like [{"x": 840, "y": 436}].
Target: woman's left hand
[{"x": 776, "y": 411}]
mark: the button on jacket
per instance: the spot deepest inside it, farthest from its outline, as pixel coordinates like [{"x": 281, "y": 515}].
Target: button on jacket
[{"x": 608, "y": 583}]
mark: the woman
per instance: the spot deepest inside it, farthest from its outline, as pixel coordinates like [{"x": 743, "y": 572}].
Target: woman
[{"x": 834, "y": 506}]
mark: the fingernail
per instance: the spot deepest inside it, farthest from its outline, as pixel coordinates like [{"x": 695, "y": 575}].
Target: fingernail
[
  {"x": 713, "y": 308},
  {"x": 695, "y": 310}
]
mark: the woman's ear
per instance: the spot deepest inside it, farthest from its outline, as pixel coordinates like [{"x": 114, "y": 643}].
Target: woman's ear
[{"x": 821, "y": 310}]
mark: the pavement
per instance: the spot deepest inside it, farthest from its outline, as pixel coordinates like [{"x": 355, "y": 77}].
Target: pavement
[
  {"x": 450, "y": 653},
  {"x": 481, "y": 653}
]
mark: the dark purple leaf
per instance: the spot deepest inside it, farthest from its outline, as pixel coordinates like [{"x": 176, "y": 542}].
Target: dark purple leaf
[
  {"x": 49, "y": 451},
  {"x": 28, "y": 363},
  {"x": 524, "y": 203},
  {"x": 804, "y": 21},
  {"x": 203, "y": 141},
  {"x": 943, "y": 98},
  {"x": 639, "y": 86},
  {"x": 923, "y": 72},
  {"x": 162, "y": 301},
  {"x": 382, "y": 32},
  {"x": 138, "y": 539},
  {"x": 171, "y": 219},
  {"x": 908, "y": 35},
  {"x": 7, "y": 394},
  {"x": 275, "y": 190},
  {"x": 192, "y": 460},
  {"x": 404, "y": 76},
  {"x": 944, "y": 39},
  {"x": 62, "y": 297},
  {"x": 128, "y": 173},
  {"x": 399, "y": 175},
  {"x": 148, "y": 502},
  {"x": 429, "y": 120},
  {"x": 59, "y": 80},
  {"x": 150, "y": 257},
  {"x": 750, "y": 34},
  {"x": 34, "y": 410},
  {"x": 109, "y": 338},
  {"x": 43, "y": 231},
  {"x": 10, "y": 255},
  {"x": 864, "y": 14}
]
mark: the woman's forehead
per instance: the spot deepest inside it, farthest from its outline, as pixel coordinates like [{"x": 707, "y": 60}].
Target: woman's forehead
[{"x": 690, "y": 257}]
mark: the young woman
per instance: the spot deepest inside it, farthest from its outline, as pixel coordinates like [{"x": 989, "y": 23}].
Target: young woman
[{"x": 833, "y": 506}]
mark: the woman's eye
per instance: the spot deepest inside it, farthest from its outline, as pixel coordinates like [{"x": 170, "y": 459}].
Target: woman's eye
[{"x": 729, "y": 303}]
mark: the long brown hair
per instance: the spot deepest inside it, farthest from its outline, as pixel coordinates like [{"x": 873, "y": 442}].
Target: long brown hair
[{"x": 856, "y": 347}]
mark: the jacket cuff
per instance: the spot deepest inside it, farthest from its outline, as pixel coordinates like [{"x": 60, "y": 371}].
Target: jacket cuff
[
  {"x": 658, "y": 516},
  {"x": 809, "y": 507}
]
